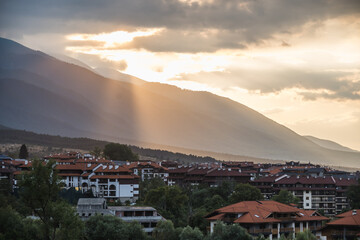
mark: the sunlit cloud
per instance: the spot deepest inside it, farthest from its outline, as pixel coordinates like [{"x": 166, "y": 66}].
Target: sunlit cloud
[{"x": 113, "y": 38}]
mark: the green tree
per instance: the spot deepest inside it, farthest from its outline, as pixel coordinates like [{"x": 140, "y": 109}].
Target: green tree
[
  {"x": 170, "y": 201},
  {"x": 23, "y": 153},
  {"x": 245, "y": 192},
  {"x": 197, "y": 219},
  {"x": 116, "y": 151},
  {"x": 96, "y": 152},
  {"x": 285, "y": 197},
  {"x": 100, "y": 227},
  {"x": 40, "y": 192},
  {"x": 223, "y": 231},
  {"x": 13, "y": 226},
  {"x": 353, "y": 194},
  {"x": 189, "y": 233},
  {"x": 306, "y": 235},
  {"x": 149, "y": 184},
  {"x": 165, "y": 230}
]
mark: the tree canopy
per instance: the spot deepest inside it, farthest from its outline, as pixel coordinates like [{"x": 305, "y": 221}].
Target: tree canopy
[
  {"x": 121, "y": 152},
  {"x": 245, "y": 192},
  {"x": 100, "y": 227},
  {"x": 286, "y": 197},
  {"x": 353, "y": 193},
  {"x": 223, "y": 231}
]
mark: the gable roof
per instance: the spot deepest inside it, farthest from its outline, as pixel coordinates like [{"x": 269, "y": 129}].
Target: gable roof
[{"x": 262, "y": 212}]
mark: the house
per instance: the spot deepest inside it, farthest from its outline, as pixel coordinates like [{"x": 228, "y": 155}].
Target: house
[
  {"x": 347, "y": 226},
  {"x": 149, "y": 170},
  {"x": 269, "y": 218},
  {"x": 148, "y": 217},
  {"x": 87, "y": 207}
]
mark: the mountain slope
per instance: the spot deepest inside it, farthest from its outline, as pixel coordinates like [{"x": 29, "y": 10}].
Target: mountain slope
[
  {"x": 65, "y": 99},
  {"x": 329, "y": 144}
]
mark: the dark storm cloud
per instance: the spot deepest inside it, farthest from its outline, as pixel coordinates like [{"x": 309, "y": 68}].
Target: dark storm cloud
[
  {"x": 252, "y": 21},
  {"x": 314, "y": 85}
]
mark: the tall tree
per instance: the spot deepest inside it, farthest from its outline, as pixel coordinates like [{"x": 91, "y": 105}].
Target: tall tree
[
  {"x": 116, "y": 151},
  {"x": 23, "y": 153},
  {"x": 39, "y": 191},
  {"x": 286, "y": 197},
  {"x": 170, "y": 201},
  {"x": 353, "y": 194}
]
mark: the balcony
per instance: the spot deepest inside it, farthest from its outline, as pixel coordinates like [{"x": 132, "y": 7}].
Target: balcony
[
  {"x": 256, "y": 231},
  {"x": 286, "y": 230}
]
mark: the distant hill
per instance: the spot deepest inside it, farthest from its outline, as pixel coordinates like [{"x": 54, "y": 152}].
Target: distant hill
[
  {"x": 329, "y": 144},
  {"x": 8, "y": 135},
  {"x": 43, "y": 94}
]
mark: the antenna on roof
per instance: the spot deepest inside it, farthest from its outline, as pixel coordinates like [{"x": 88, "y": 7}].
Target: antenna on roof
[{"x": 259, "y": 202}]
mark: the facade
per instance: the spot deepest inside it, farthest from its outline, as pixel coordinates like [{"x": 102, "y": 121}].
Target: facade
[
  {"x": 149, "y": 170},
  {"x": 111, "y": 182},
  {"x": 87, "y": 207},
  {"x": 212, "y": 176},
  {"x": 269, "y": 218},
  {"x": 148, "y": 217}
]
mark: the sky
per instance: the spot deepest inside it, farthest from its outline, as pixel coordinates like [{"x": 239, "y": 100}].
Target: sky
[{"x": 296, "y": 62}]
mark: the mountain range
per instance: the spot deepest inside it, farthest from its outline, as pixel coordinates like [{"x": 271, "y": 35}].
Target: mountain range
[{"x": 43, "y": 94}]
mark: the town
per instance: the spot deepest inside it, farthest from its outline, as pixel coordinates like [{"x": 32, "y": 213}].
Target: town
[{"x": 268, "y": 200}]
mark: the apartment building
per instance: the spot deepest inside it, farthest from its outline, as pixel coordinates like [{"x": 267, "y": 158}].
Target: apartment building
[
  {"x": 326, "y": 193},
  {"x": 111, "y": 182},
  {"x": 269, "y": 218}
]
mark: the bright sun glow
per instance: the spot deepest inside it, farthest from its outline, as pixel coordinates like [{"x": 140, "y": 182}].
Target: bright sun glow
[{"x": 114, "y": 38}]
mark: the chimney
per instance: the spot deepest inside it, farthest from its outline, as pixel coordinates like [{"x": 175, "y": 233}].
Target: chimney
[{"x": 354, "y": 212}]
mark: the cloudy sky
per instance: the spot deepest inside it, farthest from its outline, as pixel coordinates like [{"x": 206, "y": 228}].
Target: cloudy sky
[{"x": 297, "y": 62}]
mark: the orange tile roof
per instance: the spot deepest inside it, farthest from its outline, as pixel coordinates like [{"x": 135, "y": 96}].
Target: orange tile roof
[
  {"x": 76, "y": 166},
  {"x": 348, "y": 213},
  {"x": 352, "y": 220},
  {"x": 261, "y": 211},
  {"x": 114, "y": 177}
]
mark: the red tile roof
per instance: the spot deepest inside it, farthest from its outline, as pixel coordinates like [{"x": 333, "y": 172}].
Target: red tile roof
[
  {"x": 262, "y": 211},
  {"x": 352, "y": 220},
  {"x": 348, "y": 213},
  {"x": 114, "y": 177}
]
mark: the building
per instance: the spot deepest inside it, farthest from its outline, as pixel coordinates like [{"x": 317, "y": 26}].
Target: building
[
  {"x": 325, "y": 193},
  {"x": 210, "y": 175},
  {"x": 269, "y": 218},
  {"x": 149, "y": 170},
  {"x": 148, "y": 217},
  {"x": 111, "y": 182},
  {"x": 87, "y": 207},
  {"x": 347, "y": 226}
]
